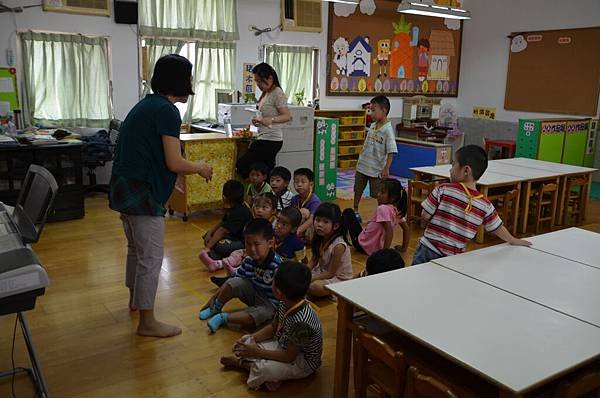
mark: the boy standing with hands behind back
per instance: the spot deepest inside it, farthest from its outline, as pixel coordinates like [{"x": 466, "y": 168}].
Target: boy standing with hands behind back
[{"x": 377, "y": 154}]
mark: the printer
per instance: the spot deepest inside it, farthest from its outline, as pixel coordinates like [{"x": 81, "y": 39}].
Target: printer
[{"x": 240, "y": 115}]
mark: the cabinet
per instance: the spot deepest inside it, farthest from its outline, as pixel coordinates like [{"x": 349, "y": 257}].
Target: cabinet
[
  {"x": 352, "y": 133},
  {"x": 64, "y": 161}
]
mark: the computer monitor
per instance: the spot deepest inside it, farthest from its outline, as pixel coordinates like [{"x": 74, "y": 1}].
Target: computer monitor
[{"x": 222, "y": 96}]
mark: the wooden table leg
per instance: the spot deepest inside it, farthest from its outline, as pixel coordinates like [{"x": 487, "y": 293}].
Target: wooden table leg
[
  {"x": 560, "y": 212},
  {"x": 343, "y": 346},
  {"x": 479, "y": 238},
  {"x": 586, "y": 196},
  {"x": 517, "y": 205},
  {"x": 526, "y": 194}
]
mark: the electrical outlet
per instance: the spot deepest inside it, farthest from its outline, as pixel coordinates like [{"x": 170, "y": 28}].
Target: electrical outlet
[{"x": 252, "y": 28}]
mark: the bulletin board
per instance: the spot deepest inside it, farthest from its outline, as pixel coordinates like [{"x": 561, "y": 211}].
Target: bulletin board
[
  {"x": 555, "y": 71},
  {"x": 8, "y": 89},
  {"x": 374, "y": 49}
]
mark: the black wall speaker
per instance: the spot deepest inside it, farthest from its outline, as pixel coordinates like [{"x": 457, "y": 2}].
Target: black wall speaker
[{"x": 126, "y": 12}]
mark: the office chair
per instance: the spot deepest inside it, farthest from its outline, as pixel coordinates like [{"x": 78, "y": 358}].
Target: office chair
[{"x": 100, "y": 149}]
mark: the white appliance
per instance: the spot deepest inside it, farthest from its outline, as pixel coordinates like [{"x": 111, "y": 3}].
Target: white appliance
[
  {"x": 298, "y": 138},
  {"x": 238, "y": 113}
]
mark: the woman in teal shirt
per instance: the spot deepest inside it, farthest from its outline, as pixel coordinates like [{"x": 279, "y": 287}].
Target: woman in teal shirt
[{"x": 147, "y": 161}]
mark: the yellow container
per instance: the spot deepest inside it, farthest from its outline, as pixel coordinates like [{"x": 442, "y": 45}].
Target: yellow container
[
  {"x": 352, "y": 120},
  {"x": 352, "y": 135},
  {"x": 349, "y": 150},
  {"x": 347, "y": 163}
]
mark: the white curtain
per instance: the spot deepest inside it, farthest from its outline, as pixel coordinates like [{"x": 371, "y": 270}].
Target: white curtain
[
  {"x": 156, "y": 48},
  {"x": 195, "y": 19},
  {"x": 214, "y": 67},
  {"x": 294, "y": 66},
  {"x": 67, "y": 79}
]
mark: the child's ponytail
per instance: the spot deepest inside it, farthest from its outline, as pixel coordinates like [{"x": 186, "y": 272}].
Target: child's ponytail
[{"x": 398, "y": 195}]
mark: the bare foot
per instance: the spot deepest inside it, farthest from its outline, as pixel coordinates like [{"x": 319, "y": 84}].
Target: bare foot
[
  {"x": 158, "y": 329},
  {"x": 231, "y": 361},
  {"x": 131, "y": 306},
  {"x": 272, "y": 385}
]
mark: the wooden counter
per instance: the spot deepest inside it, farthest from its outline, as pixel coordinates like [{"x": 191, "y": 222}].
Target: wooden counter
[{"x": 192, "y": 193}]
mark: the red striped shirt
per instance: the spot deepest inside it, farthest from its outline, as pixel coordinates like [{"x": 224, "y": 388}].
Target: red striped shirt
[{"x": 451, "y": 227}]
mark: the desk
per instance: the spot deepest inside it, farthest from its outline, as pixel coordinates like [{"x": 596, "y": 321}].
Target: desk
[
  {"x": 483, "y": 329},
  {"x": 563, "y": 285},
  {"x": 488, "y": 180},
  {"x": 574, "y": 244}
]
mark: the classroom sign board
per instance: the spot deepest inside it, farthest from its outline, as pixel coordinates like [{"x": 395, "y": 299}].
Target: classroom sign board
[
  {"x": 325, "y": 157},
  {"x": 9, "y": 97},
  {"x": 374, "y": 49}
]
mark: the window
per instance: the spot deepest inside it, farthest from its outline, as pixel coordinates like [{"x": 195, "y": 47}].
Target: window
[
  {"x": 297, "y": 68},
  {"x": 67, "y": 79}
]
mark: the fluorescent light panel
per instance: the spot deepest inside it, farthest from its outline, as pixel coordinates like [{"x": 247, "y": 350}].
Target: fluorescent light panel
[
  {"x": 430, "y": 10},
  {"x": 355, "y": 2}
]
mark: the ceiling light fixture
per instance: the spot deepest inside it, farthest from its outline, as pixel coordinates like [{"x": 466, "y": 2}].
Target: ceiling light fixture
[
  {"x": 354, "y": 2},
  {"x": 432, "y": 10}
]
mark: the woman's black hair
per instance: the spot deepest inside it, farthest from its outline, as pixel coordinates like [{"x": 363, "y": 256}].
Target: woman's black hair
[
  {"x": 172, "y": 76},
  {"x": 397, "y": 194},
  {"x": 332, "y": 212},
  {"x": 233, "y": 191},
  {"x": 264, "y": 71}
]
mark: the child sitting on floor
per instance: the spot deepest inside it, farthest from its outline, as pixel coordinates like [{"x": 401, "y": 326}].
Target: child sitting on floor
[
  {"x": 279, "y": 181},
  {"x": 291, "y": 346},
  {"x": 252, "y": 283},
  {"x": 227, "y": 236},
  {"x": 331, "y": 261},
  {"x": 264, "y": 207},
  {"x": 259, "y": 172},
  {"x": 456, "y": 210},
  {"x": 379, "y": 232},
  {"x": 288, "y": 245},
  {"x": 306, "y": 201}
]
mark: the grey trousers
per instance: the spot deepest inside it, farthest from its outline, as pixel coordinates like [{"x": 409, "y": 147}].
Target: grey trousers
[{"x": 144, "y": 257}]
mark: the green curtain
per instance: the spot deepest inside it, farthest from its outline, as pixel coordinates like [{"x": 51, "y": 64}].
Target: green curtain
[
  {"x": 196, "y": 19},
  {"x": 67, "y": 80},
  {"x": 214, "y": 67},
  {"x": 156, "y": 49},
  {"x": 294, "y": 66}
]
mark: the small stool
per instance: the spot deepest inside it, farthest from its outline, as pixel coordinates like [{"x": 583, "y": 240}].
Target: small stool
[
  {"x": 419, "y": 385},
  {"x": 507, "y": 148},
  {"x": 545, "y": 205},
  {"x": 508, "y": 210}
]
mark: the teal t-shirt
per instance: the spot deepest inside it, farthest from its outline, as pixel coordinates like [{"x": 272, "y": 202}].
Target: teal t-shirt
[{"x": 139, "y": 154}]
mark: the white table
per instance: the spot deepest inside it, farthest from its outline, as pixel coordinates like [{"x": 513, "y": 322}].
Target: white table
[
  {"x": 575, "y": 244},
  {"x": 481, "y": 328},
  {"x": 563, "y": 285}
]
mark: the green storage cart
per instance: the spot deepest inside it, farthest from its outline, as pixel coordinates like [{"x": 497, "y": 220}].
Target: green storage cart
[
  {"x": 325, "y": 157},
  {"x": 590, "y": 147},
  {"x": 541, "y": 139},
  {"x": 576, "y": 137}
]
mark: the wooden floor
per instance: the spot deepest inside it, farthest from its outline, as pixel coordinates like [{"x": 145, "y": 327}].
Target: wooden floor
[{"x": 85, "y": 335}]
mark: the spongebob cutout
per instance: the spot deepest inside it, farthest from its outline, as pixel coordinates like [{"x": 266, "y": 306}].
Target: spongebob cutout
[{"x": 383, "y": 57}]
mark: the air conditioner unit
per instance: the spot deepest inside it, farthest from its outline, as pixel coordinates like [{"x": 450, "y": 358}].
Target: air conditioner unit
[
  {"x": 85, "y": 7},
  {"x": 301, "y": 15}
]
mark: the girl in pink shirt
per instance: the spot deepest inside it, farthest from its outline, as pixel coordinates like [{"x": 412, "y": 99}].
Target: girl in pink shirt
[{"x": 379, "y": 232}]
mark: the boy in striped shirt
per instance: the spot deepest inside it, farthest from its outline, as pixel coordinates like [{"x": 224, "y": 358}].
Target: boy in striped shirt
[
  {"x": 252, "y": 282},
  {"x": 456, "y": 210},
  {"x": 291, "y": 346}
]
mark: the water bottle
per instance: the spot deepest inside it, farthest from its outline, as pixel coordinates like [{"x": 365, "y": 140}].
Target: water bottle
[{"x": 227, "y": 123}]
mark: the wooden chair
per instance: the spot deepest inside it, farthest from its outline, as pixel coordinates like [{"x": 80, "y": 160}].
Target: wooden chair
[
  {"x": 583, "y": 385},
  {"x": 375, "y": 362},
  {"x": 421, "y": 386},
  {"x": 576, "y": 194},
  {"x": 545, "y": 205},
  {"x": 507, "y": 207},
  {"x": 418, "y": 192}
]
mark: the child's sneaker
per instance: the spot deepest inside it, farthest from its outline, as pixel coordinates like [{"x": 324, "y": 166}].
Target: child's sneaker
[{"x": 211, "y": 265}]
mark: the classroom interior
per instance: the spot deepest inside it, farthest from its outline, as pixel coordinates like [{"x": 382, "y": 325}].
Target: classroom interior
[{"x": 82, "y": 329}]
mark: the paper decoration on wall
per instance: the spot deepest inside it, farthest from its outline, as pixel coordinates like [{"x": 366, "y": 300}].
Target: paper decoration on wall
[
  {"x": 452, "y": 24},
  {"x": 564, "y": 40},
  {"x": 390, "y": 53},
  {"x": 8, "y": 89},
  {"x": 534, "y": 38},
  {"x": 383, "y": 57},
  {"x": 367, "y": 7},
  {"x": 518, "y": 44},
  {"x": 340, "y": 55},
  {"x": 249, "y": 83},
  {"x": 401, "y": 54},
  {"x": 482, "y": 112},
  {"x": 422, "y": 58},
  {"x": 343, "y": 9},
  {"x": 359, "y": 57}
]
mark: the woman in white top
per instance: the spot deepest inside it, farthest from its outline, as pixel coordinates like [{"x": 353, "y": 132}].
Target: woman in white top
[{"x": 274, "y": 111}]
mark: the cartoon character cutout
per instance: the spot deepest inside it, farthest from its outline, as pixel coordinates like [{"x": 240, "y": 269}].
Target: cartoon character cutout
[
  {"x": 423, "y": 58},
  {"x": 518, "y": 44},
  {"x": 340, "y": 55},
  {"x": 383, "y": 56}
]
